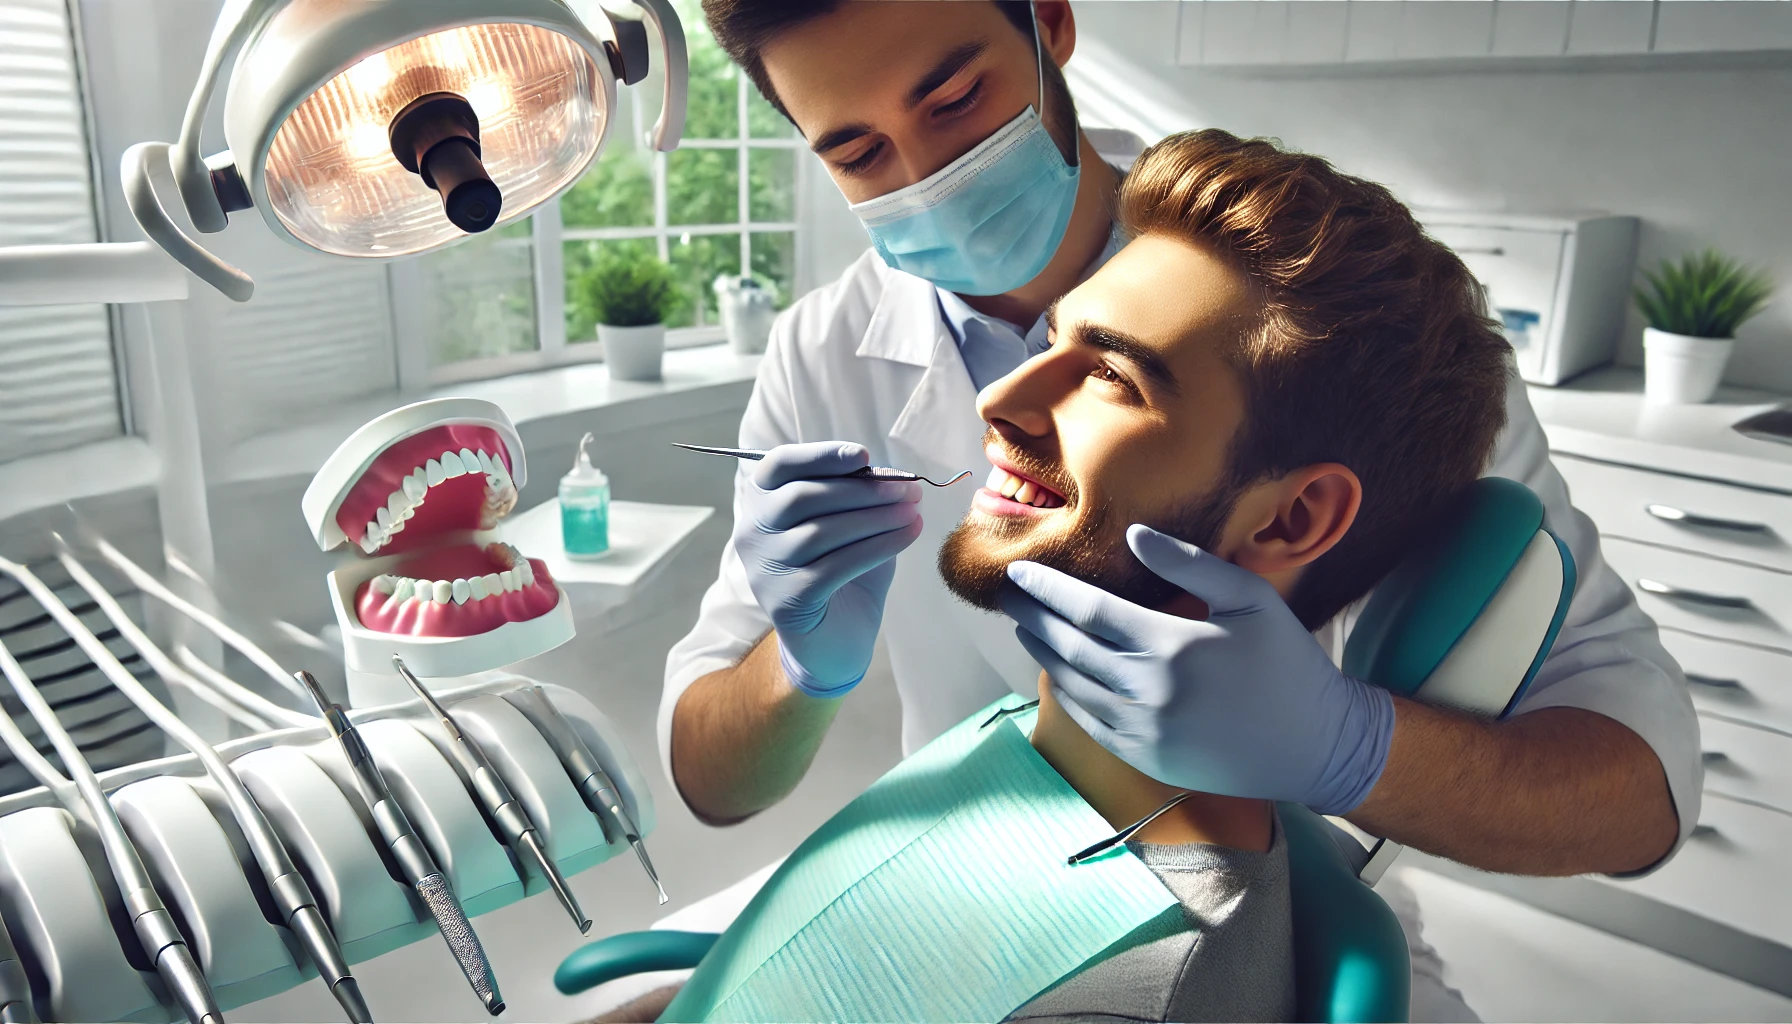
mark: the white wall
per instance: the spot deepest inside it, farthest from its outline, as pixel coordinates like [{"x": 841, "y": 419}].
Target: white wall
[{"x": 1700, "y": 150}]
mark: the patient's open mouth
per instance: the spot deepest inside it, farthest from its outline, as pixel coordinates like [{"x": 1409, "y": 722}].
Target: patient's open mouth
[
  {"x": 457, "y": 591},
  {"x": 1009, "y": 492}
]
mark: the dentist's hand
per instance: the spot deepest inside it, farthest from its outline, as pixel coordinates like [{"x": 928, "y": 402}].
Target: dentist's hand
[
  {"x": 1245, "y": 703},
  {"x": 819, "y": 553}
]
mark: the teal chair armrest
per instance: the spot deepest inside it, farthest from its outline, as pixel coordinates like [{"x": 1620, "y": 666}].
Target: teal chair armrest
[
  {"x": 1350, "y": 958},
  {"x": 619, "y": 956}
]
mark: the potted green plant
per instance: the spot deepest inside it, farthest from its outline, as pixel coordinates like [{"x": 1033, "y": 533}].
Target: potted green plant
[
  {"x": 747, "y": 306},
  {"x": 629, "y": 294},
  {"x": 1693, "y": 308}
]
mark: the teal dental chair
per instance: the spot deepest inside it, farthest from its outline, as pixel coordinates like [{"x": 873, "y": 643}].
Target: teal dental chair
[{"x": 1465, "y": 621}]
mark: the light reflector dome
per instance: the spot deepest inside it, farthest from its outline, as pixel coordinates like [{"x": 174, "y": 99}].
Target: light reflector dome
[{"x": 330, "y": 173}]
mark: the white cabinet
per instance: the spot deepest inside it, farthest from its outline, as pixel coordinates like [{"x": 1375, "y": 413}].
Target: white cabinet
[
  {"x": 1530, "y": 28},
  {"x": 1704, "y": 26},
  {"x": 1610, "y": 26},
  {"x": 1227, "y": 33}
]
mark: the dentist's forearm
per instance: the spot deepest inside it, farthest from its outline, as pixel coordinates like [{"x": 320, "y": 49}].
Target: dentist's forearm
[
  {"x": 743, "y": 737},
  {"x": 1559, "y": 791}
]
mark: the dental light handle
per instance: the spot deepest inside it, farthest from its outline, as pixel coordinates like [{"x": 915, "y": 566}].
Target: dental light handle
[
  {"x": 191, "y": 175},
  {"x": 161, "y": 942},
  {"x": 670, "y": 126},
  {"x": 420, "y": 869},
  {"x": 136, "y": 175},
  {"x": 298, "y": 905}
]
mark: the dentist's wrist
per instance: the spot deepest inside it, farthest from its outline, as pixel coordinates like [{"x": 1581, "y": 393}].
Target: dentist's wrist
[
  {"x": 1365, "y": 735},
  {"x": 804, "y": 680}
]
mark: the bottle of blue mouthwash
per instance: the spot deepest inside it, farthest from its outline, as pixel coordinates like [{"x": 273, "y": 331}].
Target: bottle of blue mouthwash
[{"x": 585, "y": 507}]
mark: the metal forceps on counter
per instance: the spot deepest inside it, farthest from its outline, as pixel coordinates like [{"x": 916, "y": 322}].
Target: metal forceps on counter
[
  {"x": 867, "y": 473},
  {"x": 413, "y": 857},
  {"x": 518, "y": 828},
  {"x": 588, "y": 776}
]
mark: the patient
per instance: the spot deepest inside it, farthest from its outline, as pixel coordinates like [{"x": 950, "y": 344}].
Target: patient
[
  {"x": 1281, "y": 369},
  {"x": 1284, "y": 371}
]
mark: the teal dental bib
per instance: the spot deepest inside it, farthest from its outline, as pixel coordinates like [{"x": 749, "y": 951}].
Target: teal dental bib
[{"x": 941, "y": 893}]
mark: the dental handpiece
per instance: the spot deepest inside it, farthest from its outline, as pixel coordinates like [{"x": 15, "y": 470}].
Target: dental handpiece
[
  {"x": 298, "y": 906},
  {"x": 511, "y": 818},
  {"x": 593, "y": 783},
  {"x": 160, "y": 940},
  {"x": 413, "y": 857},
  {"x": 15, "y": 987}
]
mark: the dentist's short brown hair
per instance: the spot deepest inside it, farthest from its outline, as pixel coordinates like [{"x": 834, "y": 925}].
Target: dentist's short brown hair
[{"x": 1372, "y": 350}]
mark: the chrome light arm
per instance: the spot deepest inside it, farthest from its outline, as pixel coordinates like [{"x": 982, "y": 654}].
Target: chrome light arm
[{"x": 670, "y": 126}]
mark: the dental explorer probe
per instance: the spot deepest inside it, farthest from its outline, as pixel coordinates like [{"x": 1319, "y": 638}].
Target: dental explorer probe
[
  {"x": 161, "y": 941},
  {"x": 862, "y": 473},
  {"x": 593, "y": 783},
  {"x": 413, "y": 857},
  {"x": 298, "y": 906},
  {"x": 511, "y": 818}
]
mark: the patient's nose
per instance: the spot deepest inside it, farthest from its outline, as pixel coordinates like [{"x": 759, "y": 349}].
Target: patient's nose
[{"x": 1018, "y": 405}]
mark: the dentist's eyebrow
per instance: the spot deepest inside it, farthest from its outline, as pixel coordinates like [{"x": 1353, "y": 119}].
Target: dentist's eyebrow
[
  {"x": 839, "y": 137},
  {"x": 1130, "y": 349},
  {"x": 941, "y": 73}
]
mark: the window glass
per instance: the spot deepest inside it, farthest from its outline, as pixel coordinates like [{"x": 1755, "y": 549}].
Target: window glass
[
  {"x": 616, "y": 192},
  {"x": 479, "y": 296},
  {"x": 763, "y": 119},
  {"x": 774, "y": 261},
  {"x": 712, "y": 111},
  {"x": 696, "y": 262},
  {"x": 703, "y": 186},
  {"x": 581, "y": 322},
  {"x": 771, "y": 185}
]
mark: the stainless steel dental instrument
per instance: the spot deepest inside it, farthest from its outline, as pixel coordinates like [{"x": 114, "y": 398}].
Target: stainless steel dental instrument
[
  {"x": 593, "y": 783},
  {"x": 503, "y": 809},
  {"x": 298, "y": 906},
  {"x": 1126, "y": 833},
  {"x": 408, "y": 850},
  {"x": 867, "y": 473},
  {"x": 161, "y": 941}
]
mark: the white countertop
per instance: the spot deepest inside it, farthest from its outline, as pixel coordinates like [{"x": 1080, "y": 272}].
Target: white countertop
[
  {"x": 642, "y": 537},
  {"x": 1603, "y": 416}
]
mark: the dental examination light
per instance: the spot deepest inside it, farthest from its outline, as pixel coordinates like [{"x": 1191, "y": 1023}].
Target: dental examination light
[
  {"x": 160, "y": 940},
  {"x": 298, "y": 906},
  {"x": 387, "y": 128}
]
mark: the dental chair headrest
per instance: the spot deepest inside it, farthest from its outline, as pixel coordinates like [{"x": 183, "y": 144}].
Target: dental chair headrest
[{"x": 1467, "y": 619}]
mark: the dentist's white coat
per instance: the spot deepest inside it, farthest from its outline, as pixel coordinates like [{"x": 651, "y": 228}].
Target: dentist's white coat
[{"x": 868, "y": 359}]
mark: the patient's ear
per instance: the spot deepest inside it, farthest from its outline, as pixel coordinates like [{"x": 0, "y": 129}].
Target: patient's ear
[{"x": 1295, "y": 519}]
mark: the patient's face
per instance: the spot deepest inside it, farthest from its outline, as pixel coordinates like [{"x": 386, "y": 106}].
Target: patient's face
[{"x": 1126, "y": 419}]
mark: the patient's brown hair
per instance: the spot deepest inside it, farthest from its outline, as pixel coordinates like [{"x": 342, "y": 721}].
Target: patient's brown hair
[{"x": 1373, "y": 349}]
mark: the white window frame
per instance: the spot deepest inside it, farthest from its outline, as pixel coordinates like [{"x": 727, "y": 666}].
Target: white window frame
[{"x": 548, "y": 240}]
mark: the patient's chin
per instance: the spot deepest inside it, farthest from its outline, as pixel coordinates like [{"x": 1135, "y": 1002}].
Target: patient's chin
[{"x": 971, "y": 571}]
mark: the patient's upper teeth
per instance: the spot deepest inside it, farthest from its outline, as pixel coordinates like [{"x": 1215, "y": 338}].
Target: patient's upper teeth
[
  {"x": 996, "y": 477},
  {"x": 1010, "y": 485},
  {"x": 461, "y": 591},
  {"x": 508, "y": 579},
  {"x": 1024, "y": 494},
  {"x": 476, "y": 585},
  {"x": 485, "y": 462},
  {"x": 493, "y": 585},
  {"x": 416, "y": 486}
]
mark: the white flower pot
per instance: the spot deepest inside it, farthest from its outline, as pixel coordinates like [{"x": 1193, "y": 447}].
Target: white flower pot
[
  {"x": 1679, "y": 369},
  {"x": 633, "y": 353},
  {"x": 747, "y": 316}
]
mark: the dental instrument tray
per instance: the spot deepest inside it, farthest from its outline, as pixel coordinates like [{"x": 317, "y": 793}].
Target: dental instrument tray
[{"x": 420, "y": 492}]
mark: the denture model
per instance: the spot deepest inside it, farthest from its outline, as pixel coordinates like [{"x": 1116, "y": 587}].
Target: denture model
[{"x": 420, "y": 492}]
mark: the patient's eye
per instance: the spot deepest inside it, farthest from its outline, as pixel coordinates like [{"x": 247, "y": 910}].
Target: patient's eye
[{"x": 1104, "y": 372}]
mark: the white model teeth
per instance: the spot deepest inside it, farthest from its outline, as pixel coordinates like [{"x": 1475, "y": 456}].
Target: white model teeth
[
  {"x": 1022, "y": 490},
  {"x": 402, "y": 504},
  {"x": 457, "y": 591}
]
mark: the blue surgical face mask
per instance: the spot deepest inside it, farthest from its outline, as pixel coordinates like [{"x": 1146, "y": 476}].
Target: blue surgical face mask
[{"x": 989, "y": 221}]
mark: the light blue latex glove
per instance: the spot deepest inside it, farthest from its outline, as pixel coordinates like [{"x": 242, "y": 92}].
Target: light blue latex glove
[
  {"x": 1245, "y": 703},
  {"x": 819, "y": 554}
]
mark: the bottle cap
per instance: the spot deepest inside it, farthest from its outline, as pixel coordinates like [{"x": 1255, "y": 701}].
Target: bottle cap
[{"x": 583, "y": 472}]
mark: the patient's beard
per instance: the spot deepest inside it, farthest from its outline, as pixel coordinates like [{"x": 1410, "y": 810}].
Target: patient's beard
[{"x": 974, "y": 558}]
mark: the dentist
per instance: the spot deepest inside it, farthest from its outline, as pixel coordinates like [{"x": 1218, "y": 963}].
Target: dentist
[{"x": 951, "y": 131}]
